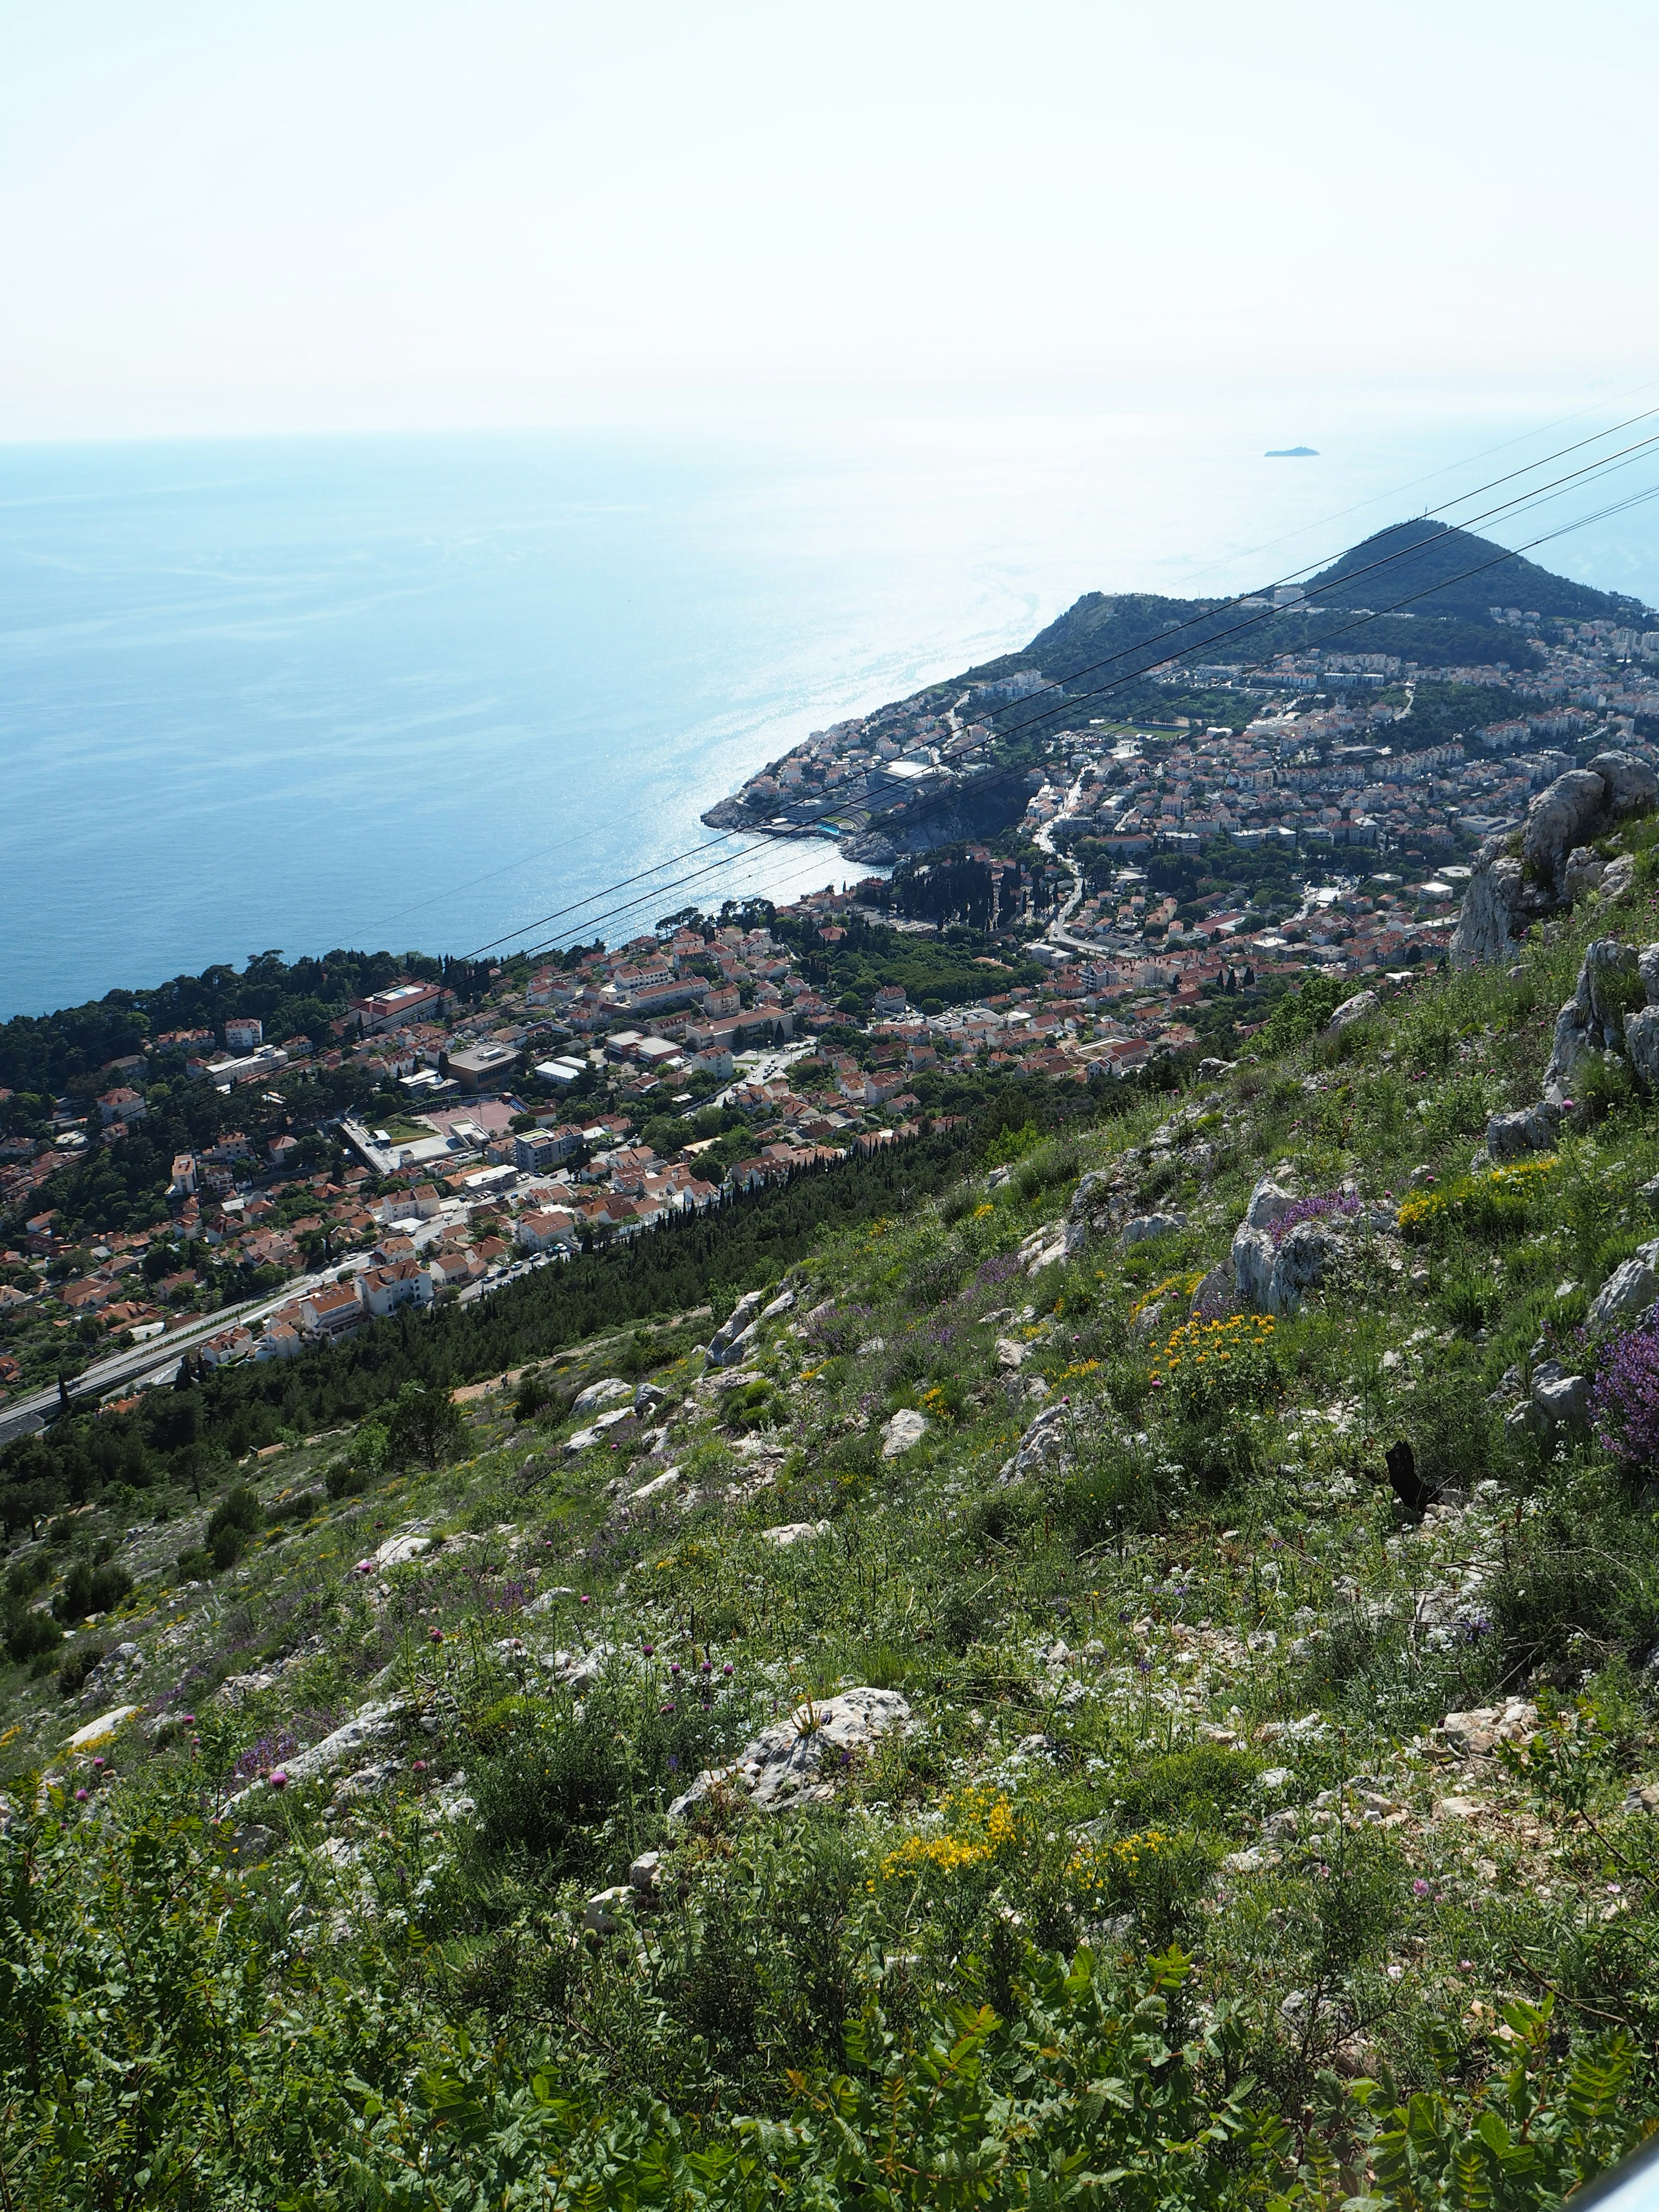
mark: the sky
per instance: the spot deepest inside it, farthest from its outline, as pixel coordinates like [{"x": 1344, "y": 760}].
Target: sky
[{"x": 226, "y": 218}]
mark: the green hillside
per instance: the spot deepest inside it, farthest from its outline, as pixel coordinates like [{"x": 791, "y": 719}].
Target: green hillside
[{"x": 1022, "y": 1732}]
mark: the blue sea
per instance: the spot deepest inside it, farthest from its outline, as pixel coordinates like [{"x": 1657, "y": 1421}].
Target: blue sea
[{"x": 429, "y": 692}]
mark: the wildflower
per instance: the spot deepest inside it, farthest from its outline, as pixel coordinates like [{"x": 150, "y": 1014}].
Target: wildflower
[
  {"x": 279, "y": 1777},
  {"x": 584, "y": 1601},
  {"x": 706, "y": 1667},
  {"x": 419, "y": 1766},
  {"x": 1394, "y": 1972},
  {"x": 1419, "y": 1889},
  {"x": 79, "y": 1796},
  {"x": 668, "y": 1708},
  {"x": 727, "y": 1668},
  {"x": 98, "y": 1766},
  {"x": 649, "y": 1649},
  {"x": 1615, "y": 1889},
  {"x": 1465, "y": 1966},
  {"x": 190, "y": 1720},
  {"x": 434, "y": 1635}
]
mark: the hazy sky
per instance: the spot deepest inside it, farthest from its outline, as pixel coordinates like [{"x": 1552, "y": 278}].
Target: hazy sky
[{"x": 223, "y": 216}]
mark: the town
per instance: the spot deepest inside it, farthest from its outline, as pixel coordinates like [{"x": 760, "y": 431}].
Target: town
[{"x": 1159, "y": 886}]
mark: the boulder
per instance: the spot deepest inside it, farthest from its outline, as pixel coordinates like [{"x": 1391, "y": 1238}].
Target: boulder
[
  {"x": 1630, "y": 784},
  {"x": 1045, "y": 1442},
  {"x": 1570, "y": 811},
  {"x": 780, "y": 1304},
  {"x": 790, "y": 1533},
  {"x": 1642, "y": 1045},
  {"x": 599, "y": 1914},
  {"x": 1476, "y": 1734},
  {"x": 1144, "y": 1226},
  {"x": 106, "y": 1725},
  {"x": 1253, "y": 1255},
  {"x": 1269, "y": 1202},
  {"x": 1216, "y": 1295},
  {"x": 1582, "y": 872},
  {"x": 1593, "y": 1019},
  {"x": 657, "y": 1487},
  {"x": 1300, "y": 1262},
  {"x": 1497, "y": 908},
  {"x": 1529, "y": 1129},
  {"x": 796, "y": 1762},
  {"x": 736, "y": 1349},
  {"x": 648, "y": 1397},
  {"x": 1011, "y": 1353},
  {"x": 1650, "y": 1195},
  {"x": 1631, "y": 1289},
  {"x": 1620, "y": 875},
  {"x": 736, "y": 1322},
  {"x": 370, "y": 1725},
  {"x": 1559, "y": 1401},
  {"x": 601, "y": 1394},
  {"x": 397, "y": 1551},
  {"x": 1355, "y": 1009},
  {"x": 902, "y": 1432}
]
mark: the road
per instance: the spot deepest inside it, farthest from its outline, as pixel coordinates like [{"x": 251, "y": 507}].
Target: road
[
  {"x": 155, "y": 1357},
  {"x": 1057, "y": 933}
]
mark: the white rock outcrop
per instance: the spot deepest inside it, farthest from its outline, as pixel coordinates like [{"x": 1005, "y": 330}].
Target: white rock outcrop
[{"x": 796, "y": 1763}]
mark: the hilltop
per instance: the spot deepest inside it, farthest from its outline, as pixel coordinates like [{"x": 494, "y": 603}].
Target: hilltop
[{"x": 1125, "y": 1650}]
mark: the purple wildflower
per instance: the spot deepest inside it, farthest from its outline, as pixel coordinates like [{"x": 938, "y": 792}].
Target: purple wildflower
[
  {"x": 1313, "y": 1209},
  {"x": 1625, "y": 1398}
]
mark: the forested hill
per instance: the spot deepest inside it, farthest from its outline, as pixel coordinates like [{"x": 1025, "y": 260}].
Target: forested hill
[
  {"x": 1426, "y": 558},
  {"x": 1441, "y": 584}
]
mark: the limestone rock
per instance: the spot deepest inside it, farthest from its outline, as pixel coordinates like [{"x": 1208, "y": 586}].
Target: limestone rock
[
  {"x": 645, "y": 1873},
  {"x": 1618, "y": 879},
  {"x": 736, "y": 1349},
  {"x": 905, "y": 1430},
  {"x": 1476, "y": 1734},
  {"x": 1630, "y": 784},
  {"x": 1269, "y": 1202},
  {"x": 795, "y": 1763},
  {"x": 1529, "y": 1129},
  {"x": 370, "y": 1725},
  {"x": 1582, "y": 872},
  {"x": 1216, "y": 1295},
  {"x": 601, "y": 1394},
  {"x": 94, "y": 1731},
  {"x": 1299, "y": 1264},
  {"x": 648, "y": 1397},
  {"x": 1496, "y": 907},
  {"x": 1010, "y": 1354},
  {"x": 599, "y": 1914},
  {"x": 1144, "y": 1226},
  {"x": 1047, "y": 1442},
  {"x": 397, "y": 1551},
  {"x": 1568, "y": 812},
  {"x": 1355, "y": 1009},
  {"x": 1560, "y": 1399},
  {"x": 780, "y": 1304},
  {"x": 1642, "y": 1044},
  {"x": 1631, "y": 1289},
  {"x": 790, "y": 1533},
  {"x": 1253, "y": 1255},
  {"x": 733, "y": 1327}
]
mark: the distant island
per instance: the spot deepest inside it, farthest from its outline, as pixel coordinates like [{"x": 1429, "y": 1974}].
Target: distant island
[{"x": 1292, "y": 453}]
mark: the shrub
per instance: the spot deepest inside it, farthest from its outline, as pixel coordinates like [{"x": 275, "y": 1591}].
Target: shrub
[
  {"x": 78, "y": 1664},
  {"x": 27, "y": 1634},
  {"x": 88, "y": 1588},
  {"x": 425, "y": 1424},
  {"x": 236, "y": 1517}
]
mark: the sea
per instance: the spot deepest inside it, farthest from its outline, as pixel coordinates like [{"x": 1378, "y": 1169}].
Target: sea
[{"x": 464, "y": 693}]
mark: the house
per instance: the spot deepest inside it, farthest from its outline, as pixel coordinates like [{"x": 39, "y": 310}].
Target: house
[
  {"x": 537, "y": 1150},
  {"x": 333, "y": 1311},
  {"x": 387, "y": 1290},
  {"x": 121, "y": 1105},
  {"x": 244, "y": 1033},
  {"x": 546, "y": 1231},
  {"x": 280, "y": 1340},
  {"x": 183, "y": 1176},
  {"x": 283, "y": 1150},
  {"x": 401, "y": 1002},
  {"x": 229, "y": 1346}
]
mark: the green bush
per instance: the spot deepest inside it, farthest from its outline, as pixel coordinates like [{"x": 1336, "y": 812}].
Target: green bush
[
  {"x": 78, "y": 1664},
  {"x": 88, "y": 1588}
]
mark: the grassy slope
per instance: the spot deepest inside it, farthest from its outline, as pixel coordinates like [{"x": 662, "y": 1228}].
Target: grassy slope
[{"x": 1179, "y": 1691}]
